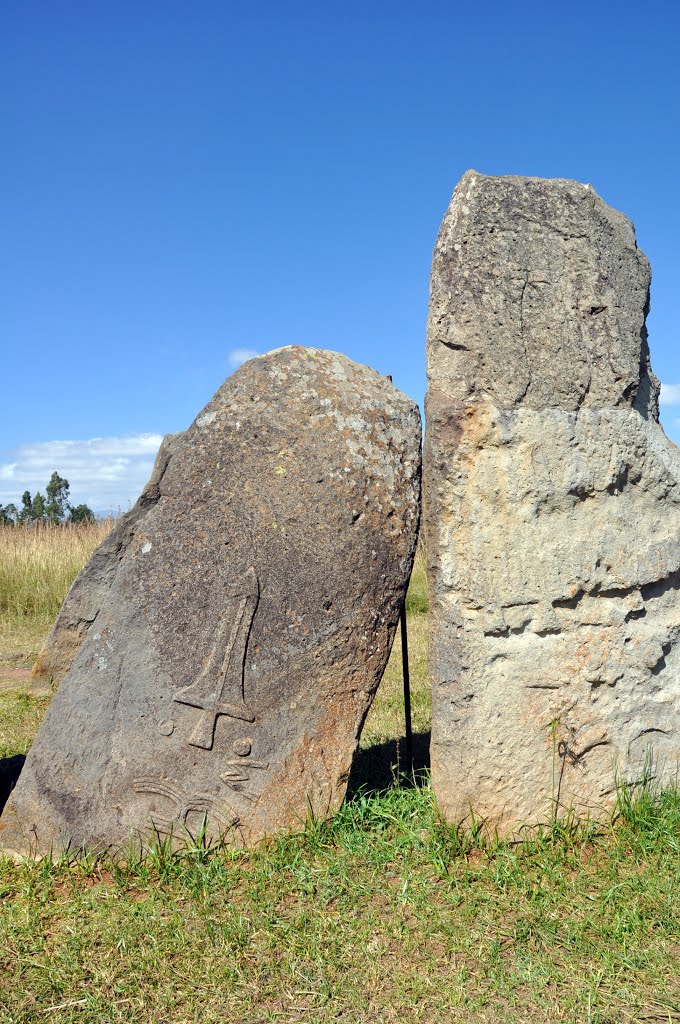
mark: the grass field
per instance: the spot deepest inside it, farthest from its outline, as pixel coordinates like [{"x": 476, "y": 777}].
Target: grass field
[
  {"x": 383, "y": 913},
  {"x": 37, "y": 567}
]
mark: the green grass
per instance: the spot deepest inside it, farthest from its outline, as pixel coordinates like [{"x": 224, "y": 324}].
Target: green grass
[
  {"x": 384, "y": 913},
  {"x": 20, "y": 716}
]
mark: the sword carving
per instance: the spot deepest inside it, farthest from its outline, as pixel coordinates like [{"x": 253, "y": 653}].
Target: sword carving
[{"x": 218, "y": 690}]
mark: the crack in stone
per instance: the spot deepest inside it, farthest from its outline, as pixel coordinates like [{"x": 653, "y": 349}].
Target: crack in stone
[{"x": 523, "y": 340}]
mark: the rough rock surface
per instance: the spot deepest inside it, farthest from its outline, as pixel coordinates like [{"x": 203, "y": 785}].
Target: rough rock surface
[
  {"x": 552, "y": 509},
  {"x": 224, "y": 644}
]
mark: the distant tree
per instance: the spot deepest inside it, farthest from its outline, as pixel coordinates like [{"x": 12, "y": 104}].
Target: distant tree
[
  {"x": 26, "y": 508},
  {"x": 81, "y": 514},
  {"x": 9, "y": 514},
  {"x": 38, "y": 508},
  {"x": 57, "y": 498},
  {"x": 53, "y": 508}
]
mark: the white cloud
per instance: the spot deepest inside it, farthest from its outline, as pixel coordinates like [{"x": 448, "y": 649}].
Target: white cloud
[
  {"x": 670, "y": 394},
  {"x": 106, "y": 473},
  {"x": 237, "y": 356}
]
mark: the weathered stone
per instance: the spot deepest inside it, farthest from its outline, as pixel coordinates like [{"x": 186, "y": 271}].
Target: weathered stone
[
  {"x": 552, "y": 509},
  {"x": 223, "y": 646}
]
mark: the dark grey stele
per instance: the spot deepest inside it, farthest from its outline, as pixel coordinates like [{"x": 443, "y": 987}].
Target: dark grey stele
[{"x": 221, "y": 649}]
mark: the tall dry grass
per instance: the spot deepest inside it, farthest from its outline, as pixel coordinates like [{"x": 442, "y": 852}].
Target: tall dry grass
[
  {"x": 38, "y": 565},
  {"x": 416, "y": 599}
]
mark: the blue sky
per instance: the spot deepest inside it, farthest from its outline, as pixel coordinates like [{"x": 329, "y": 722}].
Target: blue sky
[{"x": 185, "y": 183}]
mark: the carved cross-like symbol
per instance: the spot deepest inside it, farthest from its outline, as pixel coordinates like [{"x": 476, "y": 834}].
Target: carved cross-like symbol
[{"x": 219, "y": 687}]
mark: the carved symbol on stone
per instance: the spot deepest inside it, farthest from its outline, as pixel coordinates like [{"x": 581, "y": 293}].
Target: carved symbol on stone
[
  {"x": 185, "y": 808},
  {"x": 238, "y": 771},
  {"x": 219, "y": 687}
]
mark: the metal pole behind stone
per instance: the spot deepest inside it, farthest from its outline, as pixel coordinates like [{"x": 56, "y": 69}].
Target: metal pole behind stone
[
  {"x": 407, "y": 692},
  {"x": 407, "y": 680}
]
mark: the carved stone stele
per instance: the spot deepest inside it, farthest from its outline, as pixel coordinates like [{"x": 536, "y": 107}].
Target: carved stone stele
[
  {"x": 223, "y": 646},
  {"x": 552, "y": 509}
]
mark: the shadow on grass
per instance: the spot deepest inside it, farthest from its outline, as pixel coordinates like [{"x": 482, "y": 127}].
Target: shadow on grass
[
  {"x": 378, "y": 768},
  {"x": 10, "y": 770}
]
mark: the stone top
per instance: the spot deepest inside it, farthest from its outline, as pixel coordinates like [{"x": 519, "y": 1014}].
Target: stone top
[{"x": 538, "y": 298}]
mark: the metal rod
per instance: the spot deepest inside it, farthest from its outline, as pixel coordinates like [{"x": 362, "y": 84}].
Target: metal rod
[
  {"x": 407, "y": 691},
  {"x": 407, "y": 680}
]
